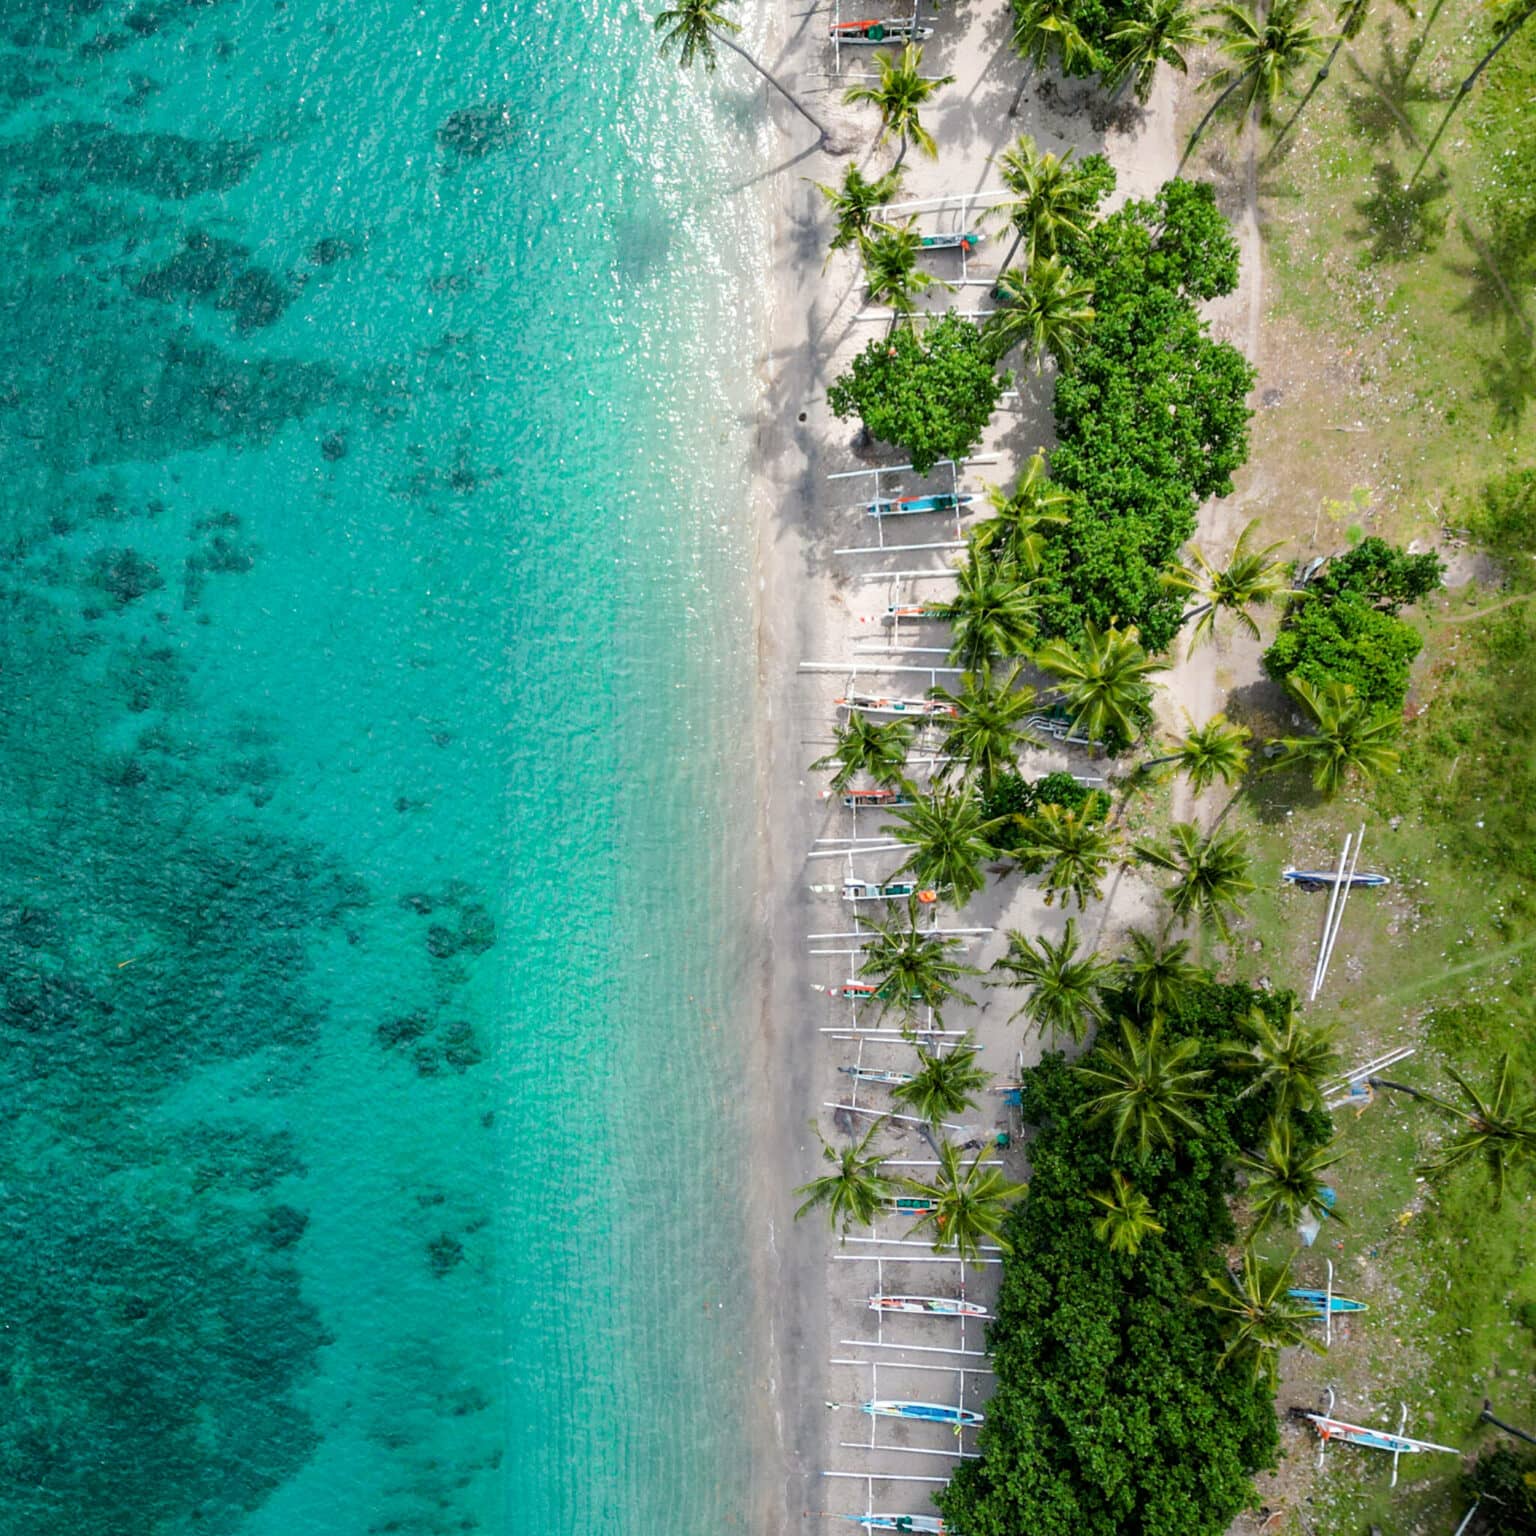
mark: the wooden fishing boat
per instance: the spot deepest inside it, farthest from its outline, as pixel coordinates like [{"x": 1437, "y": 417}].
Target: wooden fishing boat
[
  {"x": 928, "y": 1413},
  {"x": 887, "y": 31},
  {"x": 910, "y": 1205},
  {"x": 888, "y": 890},
  {"x": 1325, "y": 1300},
  {"x": 1316, "y": 878},
  {"x": 905, "y": 506},
  {"x": 882, "y": 1075},
  {"x": 927, "y": 1306},
  {"x": 953, "y": 240},
  {"x": 864, "y": 799},
  {"x": 858, "y": 990},
  {"x": 938, "y": 613},
  {"x": 930, "y": 1525},
  {"x": 873, "y": 704}
]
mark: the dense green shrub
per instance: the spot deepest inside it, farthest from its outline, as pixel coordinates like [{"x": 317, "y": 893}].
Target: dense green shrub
[
  {"x": 1011, "y": 797},
  {"x": 1151, "y": 414},
  {"x": 930, "y": 393},
  {"x": 1343, "y": 627},
  {"x": 1505, "y": 1480},
  {"x": 1113, "y": 1415},
  {"x": 1504, "y": 521}
]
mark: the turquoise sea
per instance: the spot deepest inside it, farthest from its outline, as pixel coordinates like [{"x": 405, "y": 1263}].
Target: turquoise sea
[{"x": 376, "y": 730}]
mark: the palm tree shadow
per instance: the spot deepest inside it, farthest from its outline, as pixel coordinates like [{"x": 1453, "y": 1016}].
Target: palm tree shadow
[
  {"x": 1400, "y": 221},
  {"x": 1370, "y": 111}
]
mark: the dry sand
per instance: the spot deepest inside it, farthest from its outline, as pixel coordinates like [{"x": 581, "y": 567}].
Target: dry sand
[{"x": 813, "y": 607}]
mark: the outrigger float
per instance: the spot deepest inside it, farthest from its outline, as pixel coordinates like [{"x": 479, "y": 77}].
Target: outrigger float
[
  {"x": 888, "y": 890},
  {"x": 863, "y": 799},
  {"x": 1329, "y": 1428},
  {"x": 899, "y": 31},
  {"x": 903, "y": 506},
  {"x": 881, "y": 1075},
  {"x": 931, "y": 1525},
  {"x": 873, "y": 704},
  {"x": 927, "y": 1306},
  {"x": 1317, "y": 878},
  {"x": 928, "y": 1413}
]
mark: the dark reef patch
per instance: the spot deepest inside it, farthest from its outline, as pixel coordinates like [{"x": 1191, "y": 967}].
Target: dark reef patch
[
  {"x": 474, "y": 132},
  {"x": 163, "y": 165}
]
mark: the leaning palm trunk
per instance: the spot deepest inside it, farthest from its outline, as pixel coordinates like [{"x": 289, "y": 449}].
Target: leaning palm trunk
[
  {"x": 1311, "y": 91},
  {"x": 1461, "y": 94},
  {"x": 1204, "y": 122},
  {"x": 779, "y": 86}
]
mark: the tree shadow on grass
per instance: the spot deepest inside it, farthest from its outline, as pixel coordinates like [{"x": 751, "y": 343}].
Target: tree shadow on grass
[
  {"x": 1402, "y": 221},
  {"x": 1370, "y": 108}
]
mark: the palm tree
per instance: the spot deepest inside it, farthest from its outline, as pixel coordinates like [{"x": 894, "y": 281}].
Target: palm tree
[
  {"x": 1148, "y": 1087},
  {"x": 946, "y": 1084},
  {"x": 1509, "y": 18},
  {"x": 891, "y": 272},
  {"x": 855, "y": 202},
  {"x": 1072, "y": 850},
  {"x": 1264, "y": 51},
  {"x": 1350, "y": 19},
  {"x": 1212, "y": 873},
  {"x": 1249, "y": 579},
  {"x": 1292, "y": 1058},
  {"x": 1156, "y": 35},
  {"x": 1216, "y": 750},
  {"x": 1064, "y": 985},
  {"x": 992, "y": 614},
  {"x": 969, "y": 1204},
  {"x": 853, "y": 1194},
  {"x": 1492, "y": 1127},
  {"x": 1103, "y": 680},
  {"x": 1128, "y": 1219},
  {"x": 1348, "y": 736},
  {"x": 1285, "y": 1185},
  {"x": 1012, "y": 533},
  {"x": 900, "y": 94},
  {"x": 910, "y": 966},
  {"x": 1041, "y": 27},
  {"x": 1053, "y": 198},
  {"x": 982, "y": 739},
  {"x": 948, "y": 836},
  {"x": 862, "y": 746},
  {"x": 1050, "y": 308},
  {"x": 1158, "y": 975},
  {"x": 1260, "y": 1317},
  {"x": 691, "y": 28}
]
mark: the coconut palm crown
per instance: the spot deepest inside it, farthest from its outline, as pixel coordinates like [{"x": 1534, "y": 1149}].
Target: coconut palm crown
[
  {"x": 854, "y": 1193},
  {"x": 969, "y": 1204},
  {"x": 900, "y": 93},
  {"x": 1148, "y": 1087},
  {"x": 1064, "y": 983}
]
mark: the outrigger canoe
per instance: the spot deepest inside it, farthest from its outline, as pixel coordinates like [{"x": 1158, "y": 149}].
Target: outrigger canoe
[
  {"x": 1321, "y": 1299},
  {"x": 930, "y": 1525},
  {"x": 927, "y": 1306},
  {"x": 1318, "y": 877},
  {"x": 953, "y": 240},
  {"x": 940, "y": 613},
  {"x": 911, "y": 1205},
  {"x": 905, "y": 506},
  {"x": 862, "y": 989},
  {"x": 882, "y": 1075},
  {"x": 900, "y": 31},
  {"x": 873, "y": 704},
  {"x": 1372, "y": 1439},
  {"x": 860, "y": 799},
  {"x": 930, "y": 1413},
  {"x": 890, "y": 890}
]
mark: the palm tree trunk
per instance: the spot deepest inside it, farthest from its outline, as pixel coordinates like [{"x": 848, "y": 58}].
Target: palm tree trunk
[
  {"x": 1194, "y": 613},
  {"x": 1200, "y": 127},
  {"x": 1419, "y": 1094},
  {"x": 1487, "y": 1418},
  {"x": 1317, "y": 80},
  {"x": 1461, "y": 92},
  {"x": 1018, "y": 95},
  {"x": 779, "y": 86},
  {"x": 901, "y": 154}
]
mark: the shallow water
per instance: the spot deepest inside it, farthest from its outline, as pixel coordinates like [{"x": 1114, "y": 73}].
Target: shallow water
[{"x": 375, "y": 857}]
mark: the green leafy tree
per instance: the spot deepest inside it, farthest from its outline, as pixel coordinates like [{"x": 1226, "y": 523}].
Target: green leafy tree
[
  {"x": 1147, "y": 1087},
  {"x": 1049, "y": 309},
  {"x": 1064, "y": 983},
  {"x": 992, "y": 722},
  {"x": 891, "y": 273},
  {"x": 1249, "y": 579},
  {"x": 909, "y": 966},
  {"x": 1013, "y": 533},
  {"x": 854, "y": 1193},
  {"x": 1054, "y": 198},
  {"x": 1210, "y": 873},
  {"x": 1103, "y": 680},
  {"x": 1381, "y": 574},
  {"x": 691, "y": 29},
  {"x": 969, "y": 1204},
  {"x": 1347, "y": 738},
  {"x": 862, "y": 746},
  {"x": 1289, "y": 1059},
  {"x": 1129, "y": 1218},
  {"x": 950, "y": 840},
  {"x": 1259, "y": 1315},
  {"x": 992, "y": 616},
  {"x": 1345, "y": 641},
  {"x": 1217, "y": 750},
  {"x": 945, "y": 1084},
  {"x": 1492, "y": 1127},
  {"x": 1265, "y": 48},
  {"x": 1157, "y": 32},
  {"x": 931, "y": 395},
  {"x": 900, "y": 94},
  {"x": 1072, "y": 848},
  {"x": 1158, "y": 974},
  {"x": 1285, "y": 1184},
  {"x": 856, "y": 202}
]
